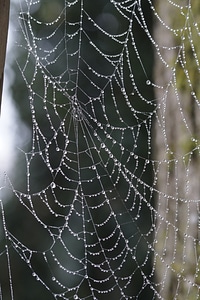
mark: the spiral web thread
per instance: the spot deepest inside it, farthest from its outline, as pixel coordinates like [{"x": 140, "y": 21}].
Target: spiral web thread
[{"x": 91, "y": 204}]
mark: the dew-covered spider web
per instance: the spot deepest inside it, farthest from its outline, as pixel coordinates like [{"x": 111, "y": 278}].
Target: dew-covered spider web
[{"x": 104, "y": 200}]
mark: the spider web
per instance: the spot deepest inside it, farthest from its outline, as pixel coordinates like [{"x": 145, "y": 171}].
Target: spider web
[{"x": 98, "y": 209}]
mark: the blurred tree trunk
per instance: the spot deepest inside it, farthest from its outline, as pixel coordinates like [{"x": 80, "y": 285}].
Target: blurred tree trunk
[
  {"x": 4, "y": 18},
  {"x": 177, "y": 130}
]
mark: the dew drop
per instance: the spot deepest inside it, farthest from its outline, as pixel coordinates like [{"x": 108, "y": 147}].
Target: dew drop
[
  {"x": 53, "y": 185},
  {"x": 148, "y": 82}
]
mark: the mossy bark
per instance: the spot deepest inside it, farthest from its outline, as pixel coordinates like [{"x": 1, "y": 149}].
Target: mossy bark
[{"x": 177, "y": 140}]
